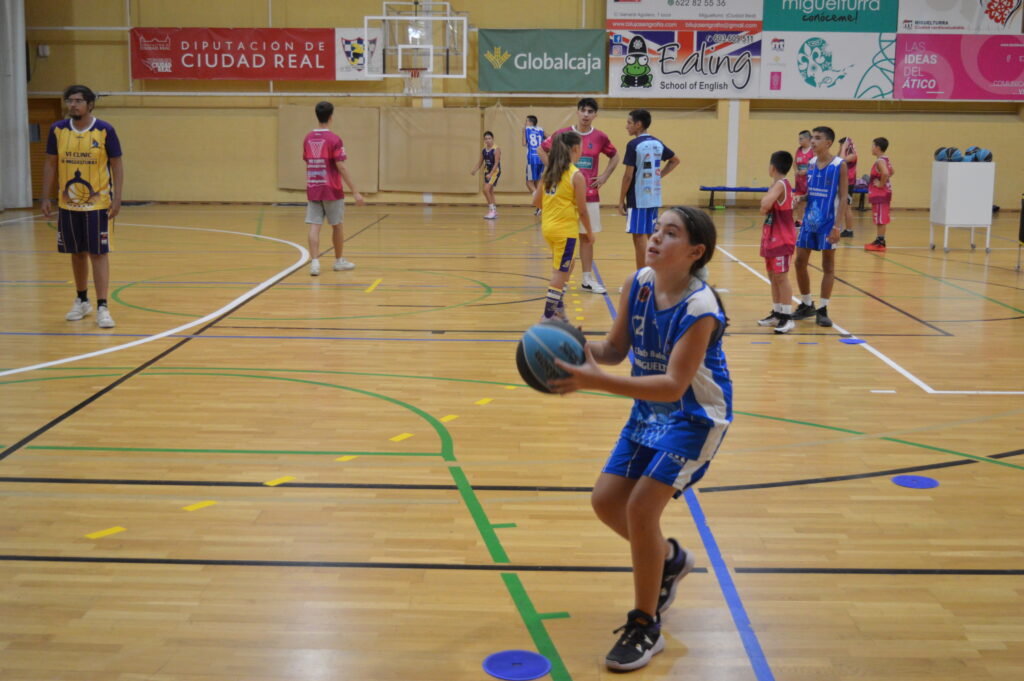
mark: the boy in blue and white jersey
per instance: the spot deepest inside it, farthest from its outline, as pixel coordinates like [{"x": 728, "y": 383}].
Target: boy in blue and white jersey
[
  {"x": 640, "y": 196},
  {"x": 533, "y": 136},
  {"x": 822, "y": 224}
]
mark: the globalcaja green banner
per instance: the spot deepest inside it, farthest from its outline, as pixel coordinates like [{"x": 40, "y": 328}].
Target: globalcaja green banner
[
  {"x": 540, "y": 60},
  {"x": 830, "y": 16}
]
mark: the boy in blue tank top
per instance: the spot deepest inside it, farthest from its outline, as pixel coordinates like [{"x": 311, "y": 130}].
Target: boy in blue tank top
[
  {"x": 822, "y": 224},
  {"x": 673, "y": 323},
  {"x": 640, "y": 196}
]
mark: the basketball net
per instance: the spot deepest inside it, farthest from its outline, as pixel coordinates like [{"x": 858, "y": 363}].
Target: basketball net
[{"x": 415, "y": 84}]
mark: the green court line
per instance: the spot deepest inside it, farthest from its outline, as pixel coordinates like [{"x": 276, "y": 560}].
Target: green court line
[
  {"x": 535, "y": 625},
  {"x": 259, "y": 221},
  {"x": 476, "y": 509},
  {"x": 487, "y": 292},
  {"x": 955, "y": 453},
  {"x": 517, "y": 231},
  {"x": 192, "y": 450},
  {"x": 501, "y": 526},
  {"x": 956, "y": 286},
  {"x": 553, "y": 615}
]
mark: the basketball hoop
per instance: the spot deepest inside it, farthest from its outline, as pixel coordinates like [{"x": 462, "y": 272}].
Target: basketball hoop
[{"x": 414, "y": 83}]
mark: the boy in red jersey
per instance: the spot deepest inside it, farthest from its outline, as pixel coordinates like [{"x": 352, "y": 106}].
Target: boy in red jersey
[
  {"x": 802, "y": 158},
  {"x": 778, "y": 242},
  {"x": 324, "y": 155},
  {"x": 848, "y": 152},
  {"x": 880, "y": 192},
  {"x": 595, "y": 143}
]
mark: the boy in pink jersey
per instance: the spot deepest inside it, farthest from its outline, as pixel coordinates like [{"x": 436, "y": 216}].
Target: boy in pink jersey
[
  {"x": 324, "y": 155},
  {"x": 595, "y": 143},
  {"x": 778, "y": 242},
  {"x": 802, "y": 159},
  {"x": 880, "y": 192}
]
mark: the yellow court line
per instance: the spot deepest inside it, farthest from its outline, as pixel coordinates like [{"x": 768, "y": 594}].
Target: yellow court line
[
  {"x": 450, "y": 417},
  {"x": 105, "y": 533},
  {"x": 399, "y": 438},
  {"x": 510, "y": 387},
  {"x": 579, "y": 309},
  {"x": 373, "y": 286},
  {"x": 486, "y": 400},
  {"x": 275, "y": 483},
  {"x": 347, "y": 457},
  {"x": 198, "y": 505}
]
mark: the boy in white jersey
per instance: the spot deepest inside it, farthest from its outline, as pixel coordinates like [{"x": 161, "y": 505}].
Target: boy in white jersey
[
  {"x": 822, "y": 224},
  {"x": 673, "y": 323},
  {"x": 640, "y": 195}
]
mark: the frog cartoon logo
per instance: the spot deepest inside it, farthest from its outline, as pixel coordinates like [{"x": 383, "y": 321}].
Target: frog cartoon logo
[{"x": 637, "y": 72}]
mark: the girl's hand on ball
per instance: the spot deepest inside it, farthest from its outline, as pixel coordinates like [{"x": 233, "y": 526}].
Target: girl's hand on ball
[{"x": 580, "y": 376}]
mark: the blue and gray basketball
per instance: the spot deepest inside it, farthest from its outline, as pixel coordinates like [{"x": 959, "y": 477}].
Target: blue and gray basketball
[{"x": 540, "y": 345}]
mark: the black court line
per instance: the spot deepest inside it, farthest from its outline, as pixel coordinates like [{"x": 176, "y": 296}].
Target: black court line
[
  {"x": 513, "y": 333},
  {"x": 960, "y": 321},
  {"x": 903, "y": 312},
  {"x": 856, "y": 476},
  {"x": 491, "y": 567},
  {"x": 876, "y": 571},
  {"x": 145, "y": 365},
  {"x": 303, "y": 485}
]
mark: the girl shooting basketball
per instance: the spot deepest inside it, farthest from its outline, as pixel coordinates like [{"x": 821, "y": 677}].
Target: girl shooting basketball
[{"x": 673, "y": 322}]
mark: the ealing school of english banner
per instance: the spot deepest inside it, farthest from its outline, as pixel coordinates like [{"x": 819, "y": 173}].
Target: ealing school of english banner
[
  {"x": 251, "y": 53},
  {"x": 545, "y": 60},
  {"x": 660, "y": 14},
  {"x": 712, "y": 60},
  {"x": 965, "y": 67},
  {"x": 828, "y": 65},
  {"x": 963, "y": 16},
  {"x": 852, "y": 16}
]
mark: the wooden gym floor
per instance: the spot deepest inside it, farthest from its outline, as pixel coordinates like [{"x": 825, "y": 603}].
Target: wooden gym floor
[{"x": 344, "y": 477}]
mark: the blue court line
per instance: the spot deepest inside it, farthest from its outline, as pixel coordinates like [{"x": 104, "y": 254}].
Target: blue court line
[
  {"x": 758, "y": 661},
  {"x": 760, "y": 342},
  {"x": 244, "y": 337},
  {"x": 762, "y": 670}
]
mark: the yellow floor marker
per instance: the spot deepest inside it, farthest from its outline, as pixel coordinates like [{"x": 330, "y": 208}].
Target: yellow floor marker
[
  {"x": 579, "y": 309},
  {"x": 198, "y": 505},
  {"x": 373, "y": 286},
  {"x": 347, "y": 457},
  {"x": 510, "y": 387},
  {"x": 105, "y": 533},
  {"x": 275, "y": 483},
  {"x": 450, "y": 417},
  {"x": 579, "y": 319},
  {"x": 399, "y": 438},
  {"x": 486, "y": 400}
]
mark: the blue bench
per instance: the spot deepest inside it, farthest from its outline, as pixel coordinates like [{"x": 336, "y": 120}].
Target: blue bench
[{"x": 863, "y": 191}]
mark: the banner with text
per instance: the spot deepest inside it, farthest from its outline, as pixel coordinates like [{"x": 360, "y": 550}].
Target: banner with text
[
  {"x": 828, "y": 65},
  {"x": 851, "y": 16},
  {"x": 670, "y": 14},
  {"x": 964, "y": 16},
  {"x": 542, "y": 60},
  {"x": 251, "y": 53},
  {"x": 965, "y": 67},
  {"x": 715, "y": 63}
]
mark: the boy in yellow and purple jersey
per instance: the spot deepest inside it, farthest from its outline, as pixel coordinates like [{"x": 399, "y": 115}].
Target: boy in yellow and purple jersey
[{"x": 84, "y": 155}]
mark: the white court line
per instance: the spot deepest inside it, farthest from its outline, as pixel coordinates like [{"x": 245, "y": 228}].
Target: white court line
[
  {"x": 178, "y": 329},
  {"x": 23, "y": 217},
  {"x": 874, "y": 351}
]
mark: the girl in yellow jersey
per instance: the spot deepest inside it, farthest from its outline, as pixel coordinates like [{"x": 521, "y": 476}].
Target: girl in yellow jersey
[{"x": 562, "y": 198}]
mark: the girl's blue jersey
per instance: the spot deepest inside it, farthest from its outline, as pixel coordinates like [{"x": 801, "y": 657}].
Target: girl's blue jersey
[{"x": 653, "y": 334}]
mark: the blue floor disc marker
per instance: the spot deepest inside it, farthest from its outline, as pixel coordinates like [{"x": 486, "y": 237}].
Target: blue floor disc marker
[
  {"x": 517, "y": 665},
  {"x": 915, "y": 481},
  {"x": 851, "y": 341}
]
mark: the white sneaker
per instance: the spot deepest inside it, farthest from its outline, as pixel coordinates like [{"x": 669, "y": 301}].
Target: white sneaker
[
  {"x": 785, "y": 326},
  {"x": 78, "y": 310},
  {"x": 314, "y": 268},
  {"x": 491, "y": 214},
  {"x": 103, "y": 318},
  {"x": 341, "y": 265},
  {"x": 592, "y": 285}
]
